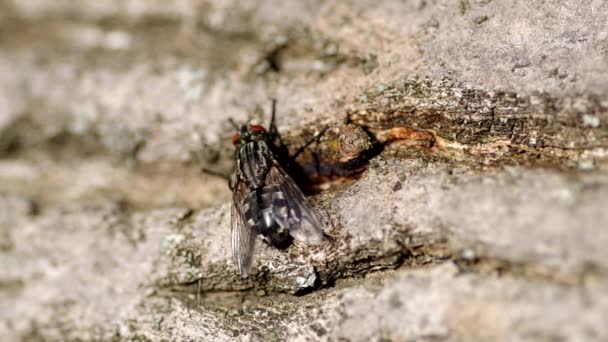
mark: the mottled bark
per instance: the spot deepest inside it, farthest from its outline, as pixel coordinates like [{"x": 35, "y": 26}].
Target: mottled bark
[{"x": 462, "y": 180}]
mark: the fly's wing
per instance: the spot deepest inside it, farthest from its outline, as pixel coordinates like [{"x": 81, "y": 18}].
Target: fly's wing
[
  {"x": 243, "y": 238},
  {"x": 295, "y": 214}
]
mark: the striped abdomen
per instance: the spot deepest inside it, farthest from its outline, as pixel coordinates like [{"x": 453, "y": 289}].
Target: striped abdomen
[{"x": 267, "y": 212}]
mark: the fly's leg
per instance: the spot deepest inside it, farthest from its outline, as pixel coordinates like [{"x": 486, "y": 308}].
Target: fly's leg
[
  {"x": 234, "y": 124},
  {"x": 227, "y": 177},
  {"x": 210, "y": 172},
  {"x": 314, "y": 139},
  {"x": 272, "y": 128},
  {"x": 279, "y": 147},
  {"x": 276, "y": 136},
  {"x": 273, "y": 110}
]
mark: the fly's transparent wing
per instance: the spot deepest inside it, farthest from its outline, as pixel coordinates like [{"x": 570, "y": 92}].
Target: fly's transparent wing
[
  {"x": 243, "y": 238},
  {"x": 298, "y": 217}
]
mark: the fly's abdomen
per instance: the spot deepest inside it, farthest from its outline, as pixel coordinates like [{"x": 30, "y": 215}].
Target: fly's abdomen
[{"x": 267, "y": 212}]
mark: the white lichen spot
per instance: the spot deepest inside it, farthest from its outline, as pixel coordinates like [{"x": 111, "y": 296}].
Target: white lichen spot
[
  {"x": 83, "y": 118},
  {"x": 191, "y": 82},
  {"x": 119, "y": 138},
  {"x": 565, "y": 195},
  {"x": 468, "y": 254},
  {"x": 170, "y": 241},
  {"x": 586, "y": 165},
  {"x": 591, "y": 121},
  {"x": 308, "y": 280},
  {"x": 117, "y": 40}
]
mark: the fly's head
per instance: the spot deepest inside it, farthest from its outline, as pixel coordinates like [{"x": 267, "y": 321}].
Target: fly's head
[{"x": 249, "y": 133}]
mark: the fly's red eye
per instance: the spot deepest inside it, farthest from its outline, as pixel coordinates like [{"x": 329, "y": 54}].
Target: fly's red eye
[
  {"x": 235, "y": 137},
  {"x": 257, "y": 128}
]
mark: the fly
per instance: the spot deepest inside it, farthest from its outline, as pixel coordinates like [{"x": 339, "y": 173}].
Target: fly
[{"x": 266, "y": 200}]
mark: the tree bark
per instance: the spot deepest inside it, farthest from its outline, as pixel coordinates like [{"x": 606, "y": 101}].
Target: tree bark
[{"x": 462, "y": 182}]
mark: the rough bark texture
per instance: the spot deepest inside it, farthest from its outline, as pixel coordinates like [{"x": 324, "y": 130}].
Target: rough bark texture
[{"x": 462, "y": 183}]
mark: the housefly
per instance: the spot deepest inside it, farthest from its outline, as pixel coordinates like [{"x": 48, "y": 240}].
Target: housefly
[{"x": 266, "y": 200}]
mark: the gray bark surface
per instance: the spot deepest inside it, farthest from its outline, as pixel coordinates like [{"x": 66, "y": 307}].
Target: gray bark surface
[{"x": 465, "y": 169}]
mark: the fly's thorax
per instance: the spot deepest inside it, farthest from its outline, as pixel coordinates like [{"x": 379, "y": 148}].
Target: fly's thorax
[{"x": 253, "y": 162}]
